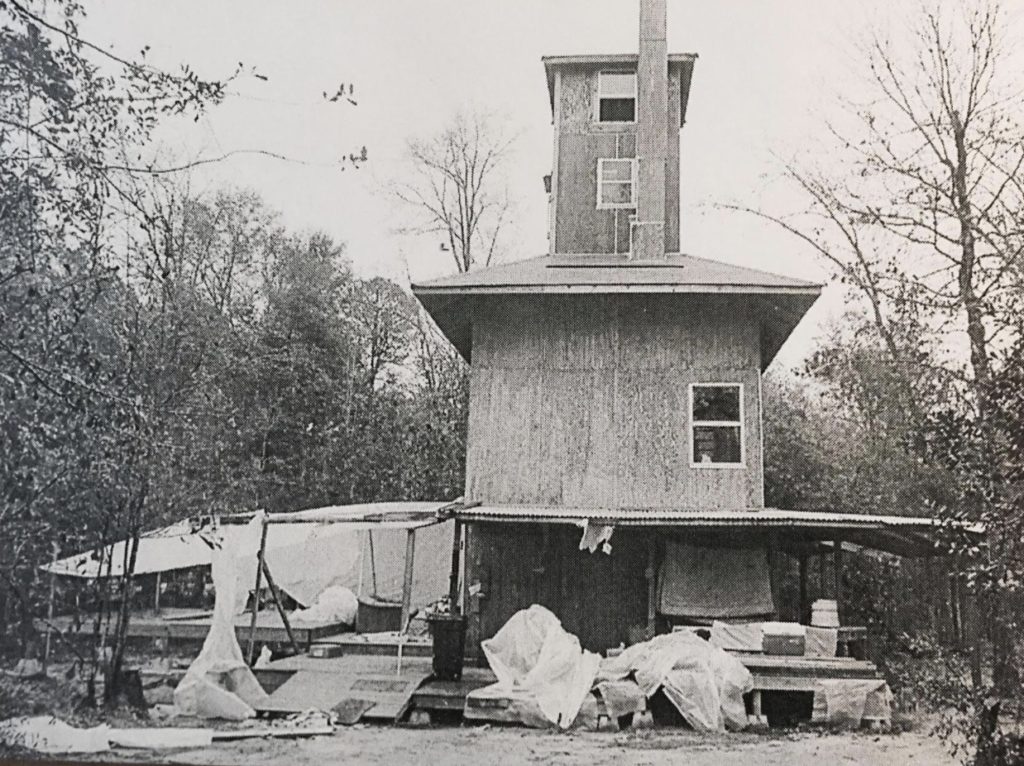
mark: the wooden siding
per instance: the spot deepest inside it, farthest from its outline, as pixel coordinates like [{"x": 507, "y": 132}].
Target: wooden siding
[
  {"x": 584, "y": 400},
  {"x": 597, "y": 596},
  {"x": 579, "y": 227}
]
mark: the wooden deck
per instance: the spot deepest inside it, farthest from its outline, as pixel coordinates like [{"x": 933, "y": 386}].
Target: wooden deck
[{"x": 193, "y": 625}]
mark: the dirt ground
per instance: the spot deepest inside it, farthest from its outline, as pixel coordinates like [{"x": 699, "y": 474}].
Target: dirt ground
[{"x": 507, "y": 745}]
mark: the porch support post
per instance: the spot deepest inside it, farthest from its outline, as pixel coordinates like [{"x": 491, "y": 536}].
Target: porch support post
[
  {"x": 453, "y": 577},
  {"x": 652, "y": 583},
  {"x": 251, "y": 653},
  {"x": 805, "y": 606},
  {"x": 837, "y": 554},
  {"x": 410, "y": 550}
]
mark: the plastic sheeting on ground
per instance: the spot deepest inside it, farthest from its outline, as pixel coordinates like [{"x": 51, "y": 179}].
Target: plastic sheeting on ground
[
  {"x": 218, "y": 683},
  {"x": 538, "y": 663},
  {"x": 710, "y": 583},
  {"x": 46, "y": 734},
  {"x": 848, "y": 701},
  {"x": 705, "y": 683}
]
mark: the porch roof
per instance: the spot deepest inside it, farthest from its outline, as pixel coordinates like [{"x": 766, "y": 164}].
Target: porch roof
[{"x": 903, "y": 535}]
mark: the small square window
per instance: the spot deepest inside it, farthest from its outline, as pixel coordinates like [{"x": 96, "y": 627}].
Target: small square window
[
  {"x": 615, "y": 186},
  {"x": 716, "y": 411},
  {"x": 616, "y": 97}
]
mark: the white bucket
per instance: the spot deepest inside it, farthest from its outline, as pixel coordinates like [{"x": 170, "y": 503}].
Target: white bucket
[{"x": 825, "y": 613}]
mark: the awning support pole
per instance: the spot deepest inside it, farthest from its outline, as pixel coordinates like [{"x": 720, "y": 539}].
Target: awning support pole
[
  {"x": 251, "y": 653},
  {"x": 49, "y": 606},
  {"x": 453, "y": 578},
  {"x": 275, "y": 594},
  {"x": 410, "y": 550},
  {"x": 837, "y": 555},
  {"x": 156, "y": 594},
  {"x": 652, "y": 585},
  {"x": 804, "y": 601}
]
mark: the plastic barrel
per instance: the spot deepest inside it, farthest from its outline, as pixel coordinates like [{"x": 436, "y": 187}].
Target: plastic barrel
[{"x": 449, "y": 634}]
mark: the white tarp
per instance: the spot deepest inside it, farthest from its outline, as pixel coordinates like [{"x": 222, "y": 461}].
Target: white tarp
[
  {"x": 534, "y": 658},
  {"x": 848, "y": 701},
  {"x": 705, "y": 683},
  {"x": 218, "y": 683},
  {"x": 304, "y": 558},
  {"x": 46, "y": 734}
]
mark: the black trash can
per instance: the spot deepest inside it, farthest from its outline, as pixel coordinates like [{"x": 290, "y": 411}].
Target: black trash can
[{"x": 449, "y": 634}]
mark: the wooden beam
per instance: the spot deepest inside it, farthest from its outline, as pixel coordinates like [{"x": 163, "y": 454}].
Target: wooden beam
[
  {"x": 805, "y": 604},
  {"x": 156, "y": 594},
  {"x": 410, "y": 550},
  {"x": 453, "y": 577},
  {"x": 251, "y": 653},
  {"x": 652, "y": 584},
  {"x": 275, "y": 594},
  {"x": 837, "y": 555}
]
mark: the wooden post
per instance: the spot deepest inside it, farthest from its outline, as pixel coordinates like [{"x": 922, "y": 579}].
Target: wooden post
[
  {"x": 373, "y": 567},
  {"x": 156, "y": 594},
  {"x": 837, "y": 555},
  {"x": 453, "y": 578},
  {"x": 280, "y": 607},
  {"x": 410, "y": 549},
  {"x": 822, "y": 567},
  {"x": 251, "y": 653},
  {"x": 652, "y": 584},
  {"x": 805, "y": 606},
  {"x": 49, "y": 606}
]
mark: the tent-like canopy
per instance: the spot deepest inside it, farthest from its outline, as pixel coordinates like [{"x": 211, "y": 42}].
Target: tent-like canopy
[{"x": 362, "y": 547}]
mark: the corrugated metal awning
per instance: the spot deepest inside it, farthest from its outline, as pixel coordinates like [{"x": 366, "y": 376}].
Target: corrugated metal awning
[{"x": 903, "y": 535}]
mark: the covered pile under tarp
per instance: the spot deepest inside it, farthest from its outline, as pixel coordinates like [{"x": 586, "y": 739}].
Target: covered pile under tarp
[
  {"x": 359, "y": 547},
  {"x": 547, "y": 677}
]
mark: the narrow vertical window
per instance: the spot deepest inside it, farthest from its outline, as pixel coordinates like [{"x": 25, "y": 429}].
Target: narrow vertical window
[
  {"x": 716, "y": 417},
  {"x": 615, "y": 183},
  {"x": 616, "y": 97}
]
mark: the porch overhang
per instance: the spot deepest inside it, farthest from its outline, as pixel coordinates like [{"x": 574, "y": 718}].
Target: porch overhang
[{"x": 905, "y": 536}]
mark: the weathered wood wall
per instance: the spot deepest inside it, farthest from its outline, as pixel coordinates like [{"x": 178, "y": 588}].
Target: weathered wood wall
[
  {"x": 598, "y": 597},
  {"x": 584, "y": 400},
  {"x": 579, "y": 226}
]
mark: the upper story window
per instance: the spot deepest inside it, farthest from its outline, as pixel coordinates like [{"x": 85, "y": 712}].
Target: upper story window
[
  {"x": 616, "y": 185},
  {"x": 716, "y": 435},
  {"x": 616, "y": 97}
]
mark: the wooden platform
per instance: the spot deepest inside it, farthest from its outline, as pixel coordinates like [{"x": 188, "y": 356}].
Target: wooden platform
[
  {"x": 381, "y": 644},
  {"x": 190, "y": 625}
]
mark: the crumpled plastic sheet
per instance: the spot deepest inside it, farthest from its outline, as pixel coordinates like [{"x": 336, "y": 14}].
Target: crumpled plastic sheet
[
  {"x": 46, "y": 734},
  {"x": 705, "y": 683},
  {"x": 535, "y": 659},
  {"x": 336, "y": 603},
  {"x": 218, "y": 683}
]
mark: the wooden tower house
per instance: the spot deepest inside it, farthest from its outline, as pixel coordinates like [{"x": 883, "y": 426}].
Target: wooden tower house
[{"x": 615, "y": 437}]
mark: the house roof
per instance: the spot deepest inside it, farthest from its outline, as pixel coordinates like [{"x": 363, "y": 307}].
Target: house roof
[
  {"x": 684, "y": 61},
  {"x": 780, "y": 301},
  {"x": 902, "y": 535}
]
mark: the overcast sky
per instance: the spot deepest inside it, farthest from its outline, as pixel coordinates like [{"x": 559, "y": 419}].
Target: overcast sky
[{"x": 766, "y": 78}]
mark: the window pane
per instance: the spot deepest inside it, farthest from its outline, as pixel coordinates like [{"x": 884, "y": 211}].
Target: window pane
[
  {"x": 618, "y": 110},
  {"x": 716, "y": 444},
  {"x": 617, "y": 170},
  {"x": 616, "y": 193},
  {"x": 716, "y": 403},
  {"x": 622, "y": 84}
]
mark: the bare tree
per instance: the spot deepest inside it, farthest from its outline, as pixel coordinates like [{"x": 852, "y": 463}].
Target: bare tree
[
  {"x": 457, "y": 187},
  {"x": 920, "y": 207}
]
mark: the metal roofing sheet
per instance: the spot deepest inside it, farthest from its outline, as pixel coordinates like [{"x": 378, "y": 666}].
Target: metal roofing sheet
[
  {"x": 768, "y": 517},
  {"x": 677, "y": 273}
]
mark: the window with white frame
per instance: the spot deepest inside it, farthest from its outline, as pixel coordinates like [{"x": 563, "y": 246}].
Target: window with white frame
[
  {"x": 615, "y": 183},
  {"x": 716, "y": 424},
  {"x": 616, "y": 97}
]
